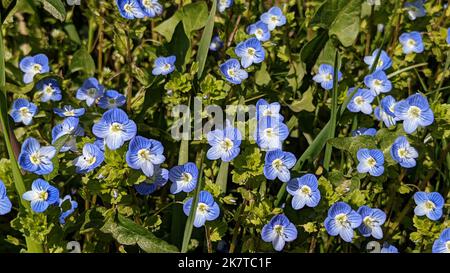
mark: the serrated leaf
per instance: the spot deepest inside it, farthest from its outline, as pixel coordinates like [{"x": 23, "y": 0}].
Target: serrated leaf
[{"x": 127, "y": 232}]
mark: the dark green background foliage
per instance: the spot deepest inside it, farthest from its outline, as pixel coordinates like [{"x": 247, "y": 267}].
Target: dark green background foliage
[{"x": 93, "y": 40}]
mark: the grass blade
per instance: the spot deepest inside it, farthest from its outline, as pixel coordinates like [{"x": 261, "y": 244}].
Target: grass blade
[
  {"x": 222, "y": 176},
  {"x": 203, "y": 48}
]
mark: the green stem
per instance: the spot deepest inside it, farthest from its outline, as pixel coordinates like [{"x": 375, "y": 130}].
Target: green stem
[{"x": 222, "y": 177}]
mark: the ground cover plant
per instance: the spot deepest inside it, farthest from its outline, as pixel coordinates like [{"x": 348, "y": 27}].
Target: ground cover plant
[{"x": 225, "y": 126}]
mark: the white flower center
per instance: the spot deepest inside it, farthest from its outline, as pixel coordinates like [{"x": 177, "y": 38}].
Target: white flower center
[
  {"x": 403, "y": 152},
  {"x": 267, "y": 112},
  {"x": 279, "y": 230},
  {"x": 43, "y": 195},
  {"x": 414, "y": 112},
  {"x": 447, "y": 245},
  {"x": 341, "y": 219},
  {"x": 147, "y": 3},
  {"x": 269, "y": 132},
  {"x": 277, "y": 164},
  {"x": 37, "y": 68},
  {"x": 166, "y": 67},
  {"x": 377, "y": 83},
  {"x": 186, "y": 178},
  {"x": 328, "y": 77},
  {"x": 202, "y": 208},
  {"x": 305, "y": 190},
  {"x": 251, "y": 51},
  {"x": 274, "y": 19},
  {"x": 144, "y": 154},
  {"x": 371, "y": 162},
  {"x": 380, "y": 63},
  {"x": 116, "y": 127},
  {"x": 91, "y": 92},
  {"x": 430, "y": 205},
  {"x": 90, "y": 160},
  {"x": 69, "y": 113},
  {"x": 359, "y": 100},
  {"x": 48, "y": 89},
  {"x": 411, "y": 43},
  {"x": 226, "y": 144},
  {"x": 128, "y": 8},
  {"x": 35, "y": 158},
  {"x": 24, "y": 111},
  {"x": 369, "y": 221},
  {"x": 231, "y": 72},
  {"x": 259, "y": 32}
]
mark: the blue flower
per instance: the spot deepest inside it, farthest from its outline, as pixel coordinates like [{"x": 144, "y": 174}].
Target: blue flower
[
  {"x": 277, "y": 164},
  {"x": 42, "y": 195},
  {"x": 158, "y": 180},
  {"x": 384, "y": 62},
  {"x": 224, "y": 144},
  {"x": 378, "y": 82},
  {"x": 111, "y": 99},
  {"x": 48, "y": 89},
  {"x": 207, "y": 209},
  {"x": 183, "y": 177},
  {"x": 23, "y": 111},
  {"x": 69, "y": 111},
  {"x": 271, "y": 133},
  {"x": 387, "y": 248},
  {"x": 250, "y": 52},
  {"x": 414, "y": 111},
  {"x": 325, "y": 76},
  {"x": 90, "y": 91},
  {"x": 216, "y": 43},
  {"x": 415, "y": 9},
  {"x": 36, "y": 159},
  {"x": 224, "y": 4},
  {"x": 33, "y": 65},
  {"x": 273, "y": 18},
  {"x": 279, "y": 231},
  {"x": 151, "y": 8},
  {"x": 341, "y": 220},
  {"x": 233, "y": 72},
  {"x": 260, "y": 30},
  {"x": 372, "y": 220},
  {"x": 164, "y": 65},
  {"x": 66, "y": 213},
  {"x": 429, "y": 204},
  {"x": 385, "y": 112},
  {"x": 370, "y": 161},
  {"x": 91, "y": 158},
  {"x": 130, "y": 9},
  {"x": 403, "y": 153},
  {"x": 442, "y": 244},
  {"x": 364, "y": 132},
  {"x": 361, "y": 101},
  {"x": 5, "y": 203},
  {"x": 115, "y": 127},
  {"x": 305, "y": 191},
  {"x": 411, "y": 42},
  {"x": 145, "y": 154},
  {"x": 69, "y": 126},
  {"x": 266, "y": 110}
]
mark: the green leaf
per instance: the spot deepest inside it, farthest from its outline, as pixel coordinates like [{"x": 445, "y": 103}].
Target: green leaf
[
  {"x": 180, "y": 46},
  {"x": 194, "y": 16},
  {"x": 203, "y": 47},
  {"x": 55, "y": 8},
  {"x": 262, "y": 77},
  {"x": 72, "y": 33},
  {"x": 167, "y": 28},
  {"x": 311, "y": 51},
  {"x": 222, "y": 176},
  {"x": 304, "y": 104},
  {"x": 353, "y": 144},
  {"x": 82, "y": 61},
  {"x": 127, "y": 232},
  {"x": 341, "y": 18}
]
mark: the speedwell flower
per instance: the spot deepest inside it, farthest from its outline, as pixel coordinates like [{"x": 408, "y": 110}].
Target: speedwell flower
[
  {"x": 115, "y": 127},
  {"x": 233, "y": 72},
  {"x": 260, "y": 30},
  {"x": 414, "y": 111},
  {"x": 266, "y": 110},
  {"x": 384, "y": 62},
  {"x": 378, "y": 82},
  {"x": 48, "y": 89},
  {"x": 33, "y": 65},
  {"x": 411, "y": 42},
  {"x": 90, "y": 91},
  {"x": 69, "y": 111},
  {"x": 183, "y": 177},
  {"x": 341, "y": 220},
  {"x": 279, "y": 231},
  {"x": 224, "y": 144},
  {"x": 42, "y": 195},
  {"x": 273, "y": 18},
  {"x": 207, "y": 209},
  {"x": 429, "y": 204},
  {"x": 364, "y": 132},
  {"x": 372, "y": 220},
  {"x": 442, "y": 244},
  {"x": 361, "y": 101},
  {"x": 271, "y": 133},
  {"x": 69, "y": 126},
  {"x": 36, "y": 159},
  {"x": 130, "y": 9},
  {"x": 325, "y": 76},
  {"x": 150, "y": 185},
  {"x": 91, "y": 158},
  {"x": 111, "y": 99},
  {"x": 5, "y": 203},
  {"x": 415, "y": 9},
  {"x": 224, "y": 4},
  {"x": 277, "y": 164},
  {"x": 23, "y": 111},
  {"x": 305, "y": 191},
  {"x": 66, "y": 213},
  {"x": 403, "y": 153},
  {"x": 145, "y": 154},
  {"x": 164, "y": 65},
  {"x": 385, "y": 112},
  {"x": 250, "y": 52},
  {"x": 151, "y": 8},
  {"x": 370, "y": 161},
  {"x": 216, "y": 43},
  {"x": 387, "y": 248}
]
